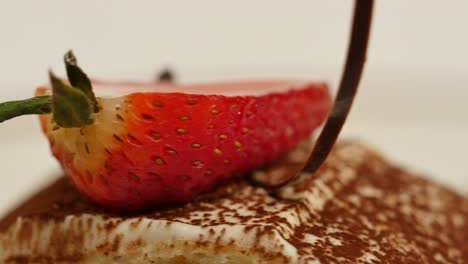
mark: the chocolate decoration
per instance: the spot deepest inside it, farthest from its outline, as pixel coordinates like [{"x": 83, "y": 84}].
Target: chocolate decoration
[
  {"x": 354, "y": 66},
  {"x": 166, "y": 75}
]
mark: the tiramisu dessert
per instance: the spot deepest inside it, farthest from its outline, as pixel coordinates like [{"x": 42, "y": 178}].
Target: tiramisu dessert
[{"x": 222, "y": 173}]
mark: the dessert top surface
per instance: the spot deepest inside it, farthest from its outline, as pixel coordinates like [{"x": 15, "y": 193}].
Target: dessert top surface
[{"x": 357, "y": 208}]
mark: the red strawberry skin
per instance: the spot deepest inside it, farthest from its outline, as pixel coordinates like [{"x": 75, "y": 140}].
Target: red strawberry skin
[{"x": 170, "y": 147}]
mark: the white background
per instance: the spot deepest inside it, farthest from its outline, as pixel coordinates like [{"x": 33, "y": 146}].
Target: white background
[{"x": 412, "y": 104}]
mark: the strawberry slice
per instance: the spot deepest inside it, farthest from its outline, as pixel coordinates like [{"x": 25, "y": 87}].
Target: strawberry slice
[{"x": 152, "y": 145}]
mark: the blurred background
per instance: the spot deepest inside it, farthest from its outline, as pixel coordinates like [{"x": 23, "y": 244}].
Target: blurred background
[{"x": 412, "y": 104}]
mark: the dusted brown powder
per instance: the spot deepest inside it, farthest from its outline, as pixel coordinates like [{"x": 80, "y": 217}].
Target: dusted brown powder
[{"x": 357, "y": 209}]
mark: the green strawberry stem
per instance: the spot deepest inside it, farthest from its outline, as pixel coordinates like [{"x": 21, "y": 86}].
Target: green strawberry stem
[
  {"x": 33, "y": 106},
  {"x": 71, "y": 105}
]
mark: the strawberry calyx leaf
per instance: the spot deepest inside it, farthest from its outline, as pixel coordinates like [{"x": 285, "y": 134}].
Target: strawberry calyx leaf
[
  {"x": 78, "y": 78},
  {"x": 72, "y": 105}
]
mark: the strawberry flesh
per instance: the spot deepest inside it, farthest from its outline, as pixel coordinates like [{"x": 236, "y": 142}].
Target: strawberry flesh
[{"x": 156, "y": 148}]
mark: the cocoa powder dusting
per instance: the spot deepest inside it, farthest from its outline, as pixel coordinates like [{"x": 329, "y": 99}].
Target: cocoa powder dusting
[{"x": 359, "y": 209}]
